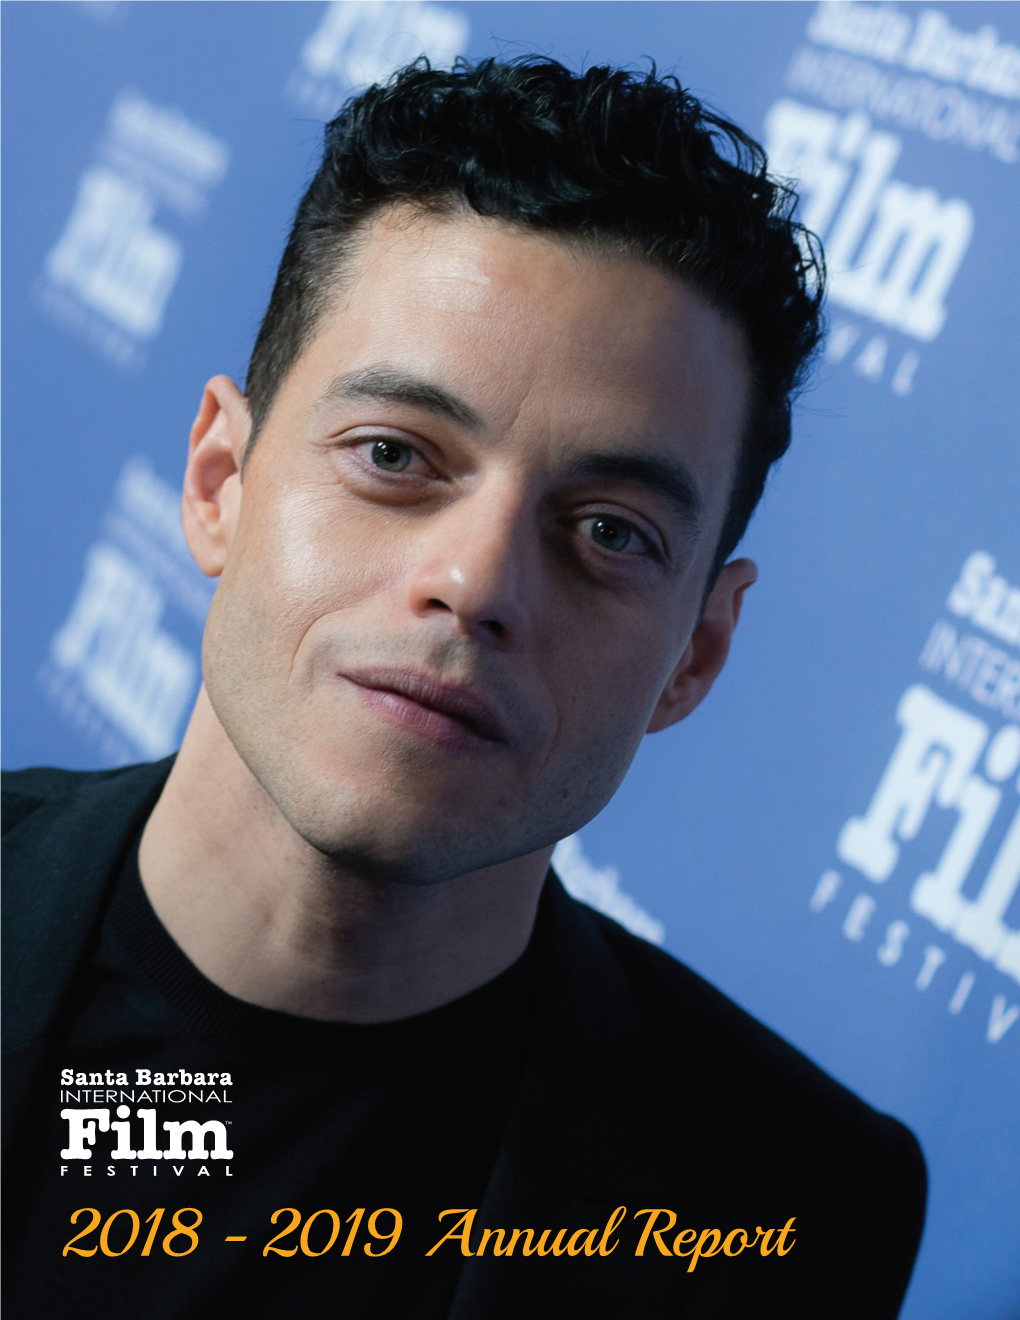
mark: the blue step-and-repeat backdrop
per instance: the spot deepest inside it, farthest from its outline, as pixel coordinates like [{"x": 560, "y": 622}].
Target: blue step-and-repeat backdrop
[{"x": 834, "y": 839}]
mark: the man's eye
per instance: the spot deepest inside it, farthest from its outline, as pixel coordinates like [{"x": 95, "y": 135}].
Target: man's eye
[
  {"x": 391, "y": 456},
  {"x": 613, "y": 534}
]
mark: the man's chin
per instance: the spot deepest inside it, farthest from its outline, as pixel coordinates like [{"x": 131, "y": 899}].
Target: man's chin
[
  {"x": 396, "y": 862},
  {"x": 387, "y": 843}
]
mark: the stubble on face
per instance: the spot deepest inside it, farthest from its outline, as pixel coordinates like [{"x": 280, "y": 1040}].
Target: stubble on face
[{"x": 340, "y": 591}]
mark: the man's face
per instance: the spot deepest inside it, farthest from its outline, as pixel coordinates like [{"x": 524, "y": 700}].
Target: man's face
[{"x": 472, "y": 542}]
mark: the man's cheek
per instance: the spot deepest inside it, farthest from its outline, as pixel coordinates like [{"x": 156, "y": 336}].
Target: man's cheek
[
  {"x": 338, "y": 561},
  {"x": 293, "y": 581},
  {"x": 621, "y": 671}
]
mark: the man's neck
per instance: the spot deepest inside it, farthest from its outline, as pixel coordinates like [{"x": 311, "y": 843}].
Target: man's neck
[{"x": 271, "y": 920}]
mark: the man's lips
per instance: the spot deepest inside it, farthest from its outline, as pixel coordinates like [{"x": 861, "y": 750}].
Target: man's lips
[{"x": 411, "y": 697}]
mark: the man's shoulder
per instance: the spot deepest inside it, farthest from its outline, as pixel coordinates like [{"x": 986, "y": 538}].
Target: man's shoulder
[
  {"x": 741, "y": 1064},
  {"x": 65, "y": 835},
  {"x": 670, "y": 992},
  {"x": 24, "y": 791},
  {"x": 771, "y": 1127}
]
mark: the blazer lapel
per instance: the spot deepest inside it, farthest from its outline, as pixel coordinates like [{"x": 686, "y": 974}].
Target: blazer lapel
[
  {"x": 60, "y": 861},
  {"x": 590, "y": 1131}
]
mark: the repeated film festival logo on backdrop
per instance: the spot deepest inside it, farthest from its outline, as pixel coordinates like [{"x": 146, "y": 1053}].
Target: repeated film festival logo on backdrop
[
  {"x": 114, "y": 670},
  {"x": 123, "y": 667},
  {"x": 951, "y": 783},
  {"x": 109, "y": 276},
  {"x": 360, "y": 42},
  {"x": 893, "y": 249}
]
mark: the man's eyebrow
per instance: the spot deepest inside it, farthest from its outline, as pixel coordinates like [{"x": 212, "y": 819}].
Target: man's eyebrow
[
  {"x": 662, "y": 475},
  {"x": 389, "y": 385}
]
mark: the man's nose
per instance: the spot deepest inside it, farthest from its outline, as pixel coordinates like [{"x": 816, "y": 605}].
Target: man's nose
[{"x": 477, "y": 564}]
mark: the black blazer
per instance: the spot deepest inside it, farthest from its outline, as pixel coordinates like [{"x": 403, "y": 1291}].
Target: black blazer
[{"x": 645, "y": 1088}]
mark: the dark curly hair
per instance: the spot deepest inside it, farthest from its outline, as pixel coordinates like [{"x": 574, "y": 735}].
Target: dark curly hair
[{"x": 607, "y": 155}]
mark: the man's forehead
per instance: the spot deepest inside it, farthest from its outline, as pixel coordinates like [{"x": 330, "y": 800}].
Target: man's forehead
[
  {"x": 597, "y": 311},
  {"x": 483, "y": 257}
]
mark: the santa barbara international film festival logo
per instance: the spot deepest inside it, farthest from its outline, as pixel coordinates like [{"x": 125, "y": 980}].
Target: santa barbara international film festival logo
[
  {"x": 951, "y": 784},
  {"x": 117, "y": 1117},
  {"x": 893, "y": 249},
  {"x": 111, "y": 272}
]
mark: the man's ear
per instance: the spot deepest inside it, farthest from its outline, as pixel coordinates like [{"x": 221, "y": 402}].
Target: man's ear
[
  {"x": 211, "y": 501},
  {"x": 708, "y": 648}
]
